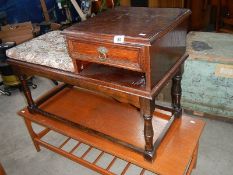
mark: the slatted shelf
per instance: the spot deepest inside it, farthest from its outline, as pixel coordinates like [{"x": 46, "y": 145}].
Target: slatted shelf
[
  {"x": 70, "y": 154},
  {"x": 185, "y": 131}
]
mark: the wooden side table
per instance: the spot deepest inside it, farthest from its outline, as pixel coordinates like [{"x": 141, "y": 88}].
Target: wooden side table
[
  {"x": 135, "y": 66},
  {"x": 116, "y": 50}
]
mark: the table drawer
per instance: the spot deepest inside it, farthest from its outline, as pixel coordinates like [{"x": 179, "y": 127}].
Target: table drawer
[{"x": 109, "y": 54}]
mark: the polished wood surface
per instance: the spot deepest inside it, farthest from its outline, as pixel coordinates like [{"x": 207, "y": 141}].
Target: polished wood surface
[
  {"x": 114, "y": 75},
  {"x": 137, "y": 24},
  {"x": 153, "y": 49},
  {"x": 117, "y": 55},
  {"x": 172, "y": 158},
  {"x": 166, "y": 52},
  {"x": 107, "y": 87},
  {"x": 101, "y": 114},
  {"x": 147, "y": 108}
]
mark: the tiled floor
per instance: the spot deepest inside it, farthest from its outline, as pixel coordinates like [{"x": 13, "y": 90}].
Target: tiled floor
[{"x": 19, "y": 157}]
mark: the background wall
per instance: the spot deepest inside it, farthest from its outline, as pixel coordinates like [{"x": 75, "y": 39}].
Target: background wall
[
  {"x": 22, "y": 10},
  {"x": 30, "y": 10}
]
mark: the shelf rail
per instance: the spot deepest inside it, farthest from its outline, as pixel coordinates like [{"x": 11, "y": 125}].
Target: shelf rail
[{"x": 81, "y": 159}]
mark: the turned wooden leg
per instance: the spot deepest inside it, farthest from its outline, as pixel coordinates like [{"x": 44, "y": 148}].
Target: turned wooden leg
[
  {"x": 27, "y": 93},
  {"x": 176, "y": 92},
  {"x": 147, "y": 109},
  {"x": 32, "y": 133}
]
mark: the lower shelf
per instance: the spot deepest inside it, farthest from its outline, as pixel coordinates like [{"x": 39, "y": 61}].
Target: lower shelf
[
  {"x": 90, "y": 156},
  {"x": 104, "y": 116},
  {"x": 173, "y": 155}
]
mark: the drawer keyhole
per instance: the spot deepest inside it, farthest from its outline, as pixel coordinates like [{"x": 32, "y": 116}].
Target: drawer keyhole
[{"x": 102, "y": 53}]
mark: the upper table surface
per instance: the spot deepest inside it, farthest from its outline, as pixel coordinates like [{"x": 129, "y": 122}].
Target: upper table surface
[{"x": 141, "y": 23}]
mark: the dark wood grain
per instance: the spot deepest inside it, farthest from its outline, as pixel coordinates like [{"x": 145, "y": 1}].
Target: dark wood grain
[
  {"x": 147, "y": 109},
  {"x": 176, "y": 91},
  {"x": 131, "y": 22},
  {"x": 155, "y": 41},
  {"x": 116, "y": 55},
  {"x": 27, "y": 93}
]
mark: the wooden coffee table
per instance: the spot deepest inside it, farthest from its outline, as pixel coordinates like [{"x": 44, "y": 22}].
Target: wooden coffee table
[{"x": 176, "y": 155}]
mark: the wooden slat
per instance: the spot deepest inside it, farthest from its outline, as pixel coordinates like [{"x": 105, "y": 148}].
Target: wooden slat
[
  {"x": 98, "y": 158},
  {"x": 126, "y": 168},
  {"x": 75, "y": 147},
  {"x": 88, "y": 150},
  {"x": 112, "y": 162},
  {"x": 73, "y": 157},
  {"x": 43, "y": 133},
  {"x": 64, "y": 142},
  {"x": 142, "y": 172}
]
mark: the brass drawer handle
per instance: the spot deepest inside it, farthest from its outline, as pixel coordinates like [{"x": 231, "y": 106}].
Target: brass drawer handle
[{"x": 102, "y": 53}]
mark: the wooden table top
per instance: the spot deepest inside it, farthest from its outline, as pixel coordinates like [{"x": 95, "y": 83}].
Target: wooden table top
[
  {"x": 173, "y": 155},
  {"x": 141, "y": 23}
]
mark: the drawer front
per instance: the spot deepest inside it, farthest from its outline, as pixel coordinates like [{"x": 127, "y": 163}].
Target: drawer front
[{"x": 114, "y": 55}]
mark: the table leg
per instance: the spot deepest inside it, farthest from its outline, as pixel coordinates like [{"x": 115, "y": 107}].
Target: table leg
[
  {"x": 195, "y": 156},
  {"x": 33, "y": 135},
  {"x": 147, "y": 109},
  {"x": 27, "y": 93},
  {"x": 2, "y": 171},
  {"x": 193, "y": 163},
  {"x": 176, "y": 92}
]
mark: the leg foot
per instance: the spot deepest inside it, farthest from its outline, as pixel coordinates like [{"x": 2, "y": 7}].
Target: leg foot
[
  {"x": 147, "y": 109},
  {"x": 27, "y": 93}
]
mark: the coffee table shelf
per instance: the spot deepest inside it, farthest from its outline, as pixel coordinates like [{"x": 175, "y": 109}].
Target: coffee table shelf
[{"x": 169, "y": 151}]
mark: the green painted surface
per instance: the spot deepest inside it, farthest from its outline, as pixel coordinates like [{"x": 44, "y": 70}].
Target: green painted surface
[
  {"x": 202, "y": 90},
  {"x": 214, "y": 47},
  {"x": 205, "y": 92}
]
